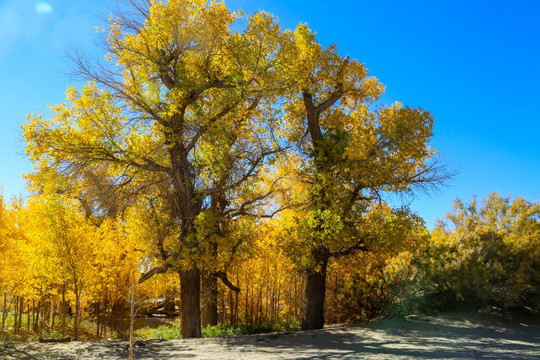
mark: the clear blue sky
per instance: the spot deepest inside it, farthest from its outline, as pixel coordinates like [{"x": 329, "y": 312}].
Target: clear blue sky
[{"x": 473, "y": 64}]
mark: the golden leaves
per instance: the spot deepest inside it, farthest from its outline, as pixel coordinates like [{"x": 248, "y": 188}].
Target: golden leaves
[{"x": 190, "y": 108}]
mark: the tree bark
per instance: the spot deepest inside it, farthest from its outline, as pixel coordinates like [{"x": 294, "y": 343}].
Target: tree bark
[
  {"x": 235, "y": 308},
  {"x": 21, "y": 313},
  {"x": 98, "y": 318},
  {"x": 190, "y": 295},
  {"x": 247, "y": 305},
  {"x": 34, "y": 326},
  {"x": 28, "y": 315},
  {"x": 53, "y": 314},
  {"x": 37, "y": 321},
  {"x": 15, "y": 314},
  {"x": 209, "y": 299},
  {"x": 313, "y": 316},
  {"x": 4, "y": 312},
  {"x": 63, "y": 310},
  {"x": 77, "y": 313},
  {"x": 132, "y": 316}
]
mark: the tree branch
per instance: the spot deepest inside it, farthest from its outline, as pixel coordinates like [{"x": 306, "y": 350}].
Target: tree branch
[
  {"x": 223, "y": 276},
  {"x": 157, "y": 270},
  {"x": 205, "y": 127},
  {"x": 358, "y": 246}
]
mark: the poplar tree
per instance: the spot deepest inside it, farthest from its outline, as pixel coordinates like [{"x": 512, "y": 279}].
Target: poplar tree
[
  {"x": 181, "y": 88},
  {"x": 352, "y": 153}
]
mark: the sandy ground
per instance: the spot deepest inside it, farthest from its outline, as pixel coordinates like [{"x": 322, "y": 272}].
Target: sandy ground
[{"x": 450, "y": 336}]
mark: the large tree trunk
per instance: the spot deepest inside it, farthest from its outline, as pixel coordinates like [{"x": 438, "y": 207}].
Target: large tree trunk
[
  {"x": 209, "y": 301},
  {"x": 190, "y": 293},
  {"x": 313, "y": 316}
]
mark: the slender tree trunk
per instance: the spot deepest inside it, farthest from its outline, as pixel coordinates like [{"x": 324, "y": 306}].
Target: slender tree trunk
[
  {"x": 290, "y": 301},
  {"x": 132, "y": 316},
  {"x": 42, "y": 325},
  {"x": 247, "y": 305},
  {"x": 21, "y": 313},
  {"x": 37, "y": 325},
  {"x": 4, "y": 311},
  {"x": 53, "y": 315},
  {"x": 47, "y": 314},
  {"x": 63, "y": 310},
  {"x": 98, "y": 318},
  {"x": 275, "y": 306},
  {"x": 121, "y": 316},
  {"x": 295, "y": 310},
  {"x": 15, "y": 315},
  {"x": 236, "y": 308},
  {"x": 251, "y": 318},
  {"x": 223, "y": 311},
  {"x": 267, "y": 302},
  {"x": 209, "y": 299},
  {"x": 28, "y": 315},
  {"x": 231, "y": 306},
  {"x": 14, "y": 305},
  {"x": 259, "y": 306},
  {"x": 190, "y": 295},
  {"x": 236, "y": 298},
  {"x": 34, "y": 315},
  {"x": 111, "y": 318},
  {"x": 77, "y": 313},
  {"x": 313, "y": 316}
]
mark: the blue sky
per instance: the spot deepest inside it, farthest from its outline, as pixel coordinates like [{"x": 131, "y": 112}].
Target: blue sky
[{"x": 473, "y": 64}]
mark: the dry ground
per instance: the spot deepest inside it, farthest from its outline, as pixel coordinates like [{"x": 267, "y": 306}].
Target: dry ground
[{"x": 447, "y": 336}]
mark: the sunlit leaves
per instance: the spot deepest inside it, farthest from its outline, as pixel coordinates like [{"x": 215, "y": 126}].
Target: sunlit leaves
[{"x": 486, "y": 253}]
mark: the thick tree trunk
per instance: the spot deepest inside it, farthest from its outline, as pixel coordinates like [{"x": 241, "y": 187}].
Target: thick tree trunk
[
  {"x": 313, "y": 316},
  {"x": 209, "y": 299},
  {"x": 190, "y": 293}
]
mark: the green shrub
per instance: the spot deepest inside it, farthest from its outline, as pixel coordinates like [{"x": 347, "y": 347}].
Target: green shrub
[
  {"x": 483, "y": 256},
  {"x": 166, "y": 332},
  {"x": 7, "y": 341}
]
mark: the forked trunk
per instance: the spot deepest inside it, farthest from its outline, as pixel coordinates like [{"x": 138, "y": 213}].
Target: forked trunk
[
  {"x": 209, "y": 299},
  {"x": 313, "y": 316},
  {"x": 190, "y": 292}
]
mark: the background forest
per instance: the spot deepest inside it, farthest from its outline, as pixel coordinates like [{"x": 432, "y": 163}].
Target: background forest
[
  {"x": 60, "y": 268},
  {"x": 242, "y": 177}
]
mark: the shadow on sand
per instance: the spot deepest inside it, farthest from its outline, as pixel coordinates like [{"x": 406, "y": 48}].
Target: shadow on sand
[{"x": 452, "y": 336}]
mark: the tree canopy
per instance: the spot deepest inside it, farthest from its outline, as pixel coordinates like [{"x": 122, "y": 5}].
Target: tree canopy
[{"x": 213, "y": 125}]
